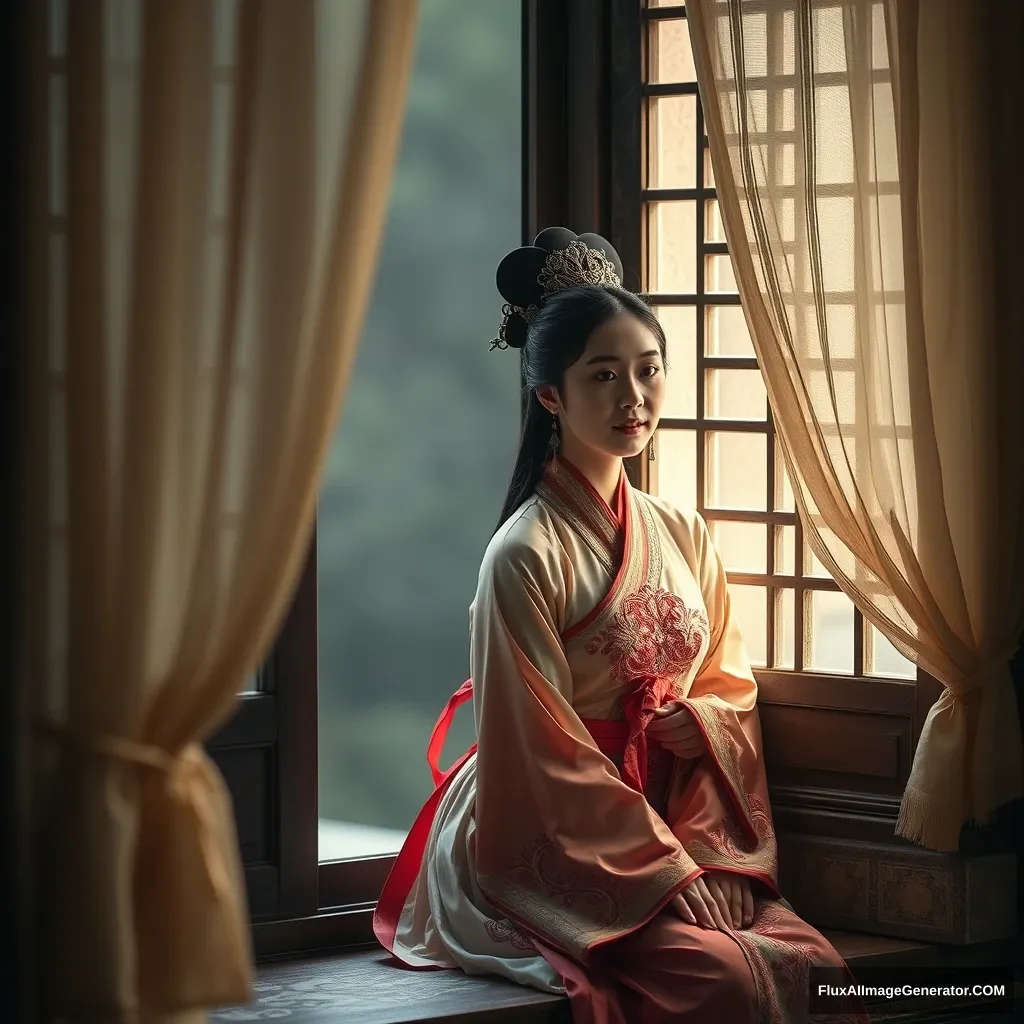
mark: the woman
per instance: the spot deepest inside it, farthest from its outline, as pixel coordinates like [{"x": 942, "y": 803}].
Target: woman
[{"x": 609, "y": 835}]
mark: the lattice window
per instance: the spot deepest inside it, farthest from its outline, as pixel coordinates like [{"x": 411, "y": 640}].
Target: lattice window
[{"x": 716, "y": 448}]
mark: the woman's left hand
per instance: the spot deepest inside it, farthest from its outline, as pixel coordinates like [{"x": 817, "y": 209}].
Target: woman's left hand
[{"x": 674, "y": 728}]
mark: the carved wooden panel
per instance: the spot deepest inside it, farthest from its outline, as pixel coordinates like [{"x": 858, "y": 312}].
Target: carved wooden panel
[{"x": 905, "y": 892}]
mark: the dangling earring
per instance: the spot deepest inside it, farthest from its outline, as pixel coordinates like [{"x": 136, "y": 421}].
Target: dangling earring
[
  {"x": 650, "y": 450},
  {"x": 555, "y": 441}
]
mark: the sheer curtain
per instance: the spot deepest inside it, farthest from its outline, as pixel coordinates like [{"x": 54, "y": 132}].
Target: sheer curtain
[
  {"x": 860, "y": 153},
  {"x": 210, "y": 198}
]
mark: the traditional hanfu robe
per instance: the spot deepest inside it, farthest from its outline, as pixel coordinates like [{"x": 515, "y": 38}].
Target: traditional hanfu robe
[{"x": 549, "y": 852}]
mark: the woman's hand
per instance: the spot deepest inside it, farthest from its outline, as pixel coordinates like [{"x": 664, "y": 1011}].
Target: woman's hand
[
  {"x": 732, "y": 895},
  {"x": 674, "y": 728},
  {"x": 696, "y": 905}
]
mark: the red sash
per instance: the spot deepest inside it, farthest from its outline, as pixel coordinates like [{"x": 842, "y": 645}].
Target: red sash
[{"x": 407, "y": 865}]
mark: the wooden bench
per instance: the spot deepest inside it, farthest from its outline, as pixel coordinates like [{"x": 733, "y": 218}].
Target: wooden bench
[{"x": 363, "y": 987}]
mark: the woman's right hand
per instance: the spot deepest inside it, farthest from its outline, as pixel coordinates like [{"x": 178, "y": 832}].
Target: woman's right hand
[{"x": 696, "y": 905}]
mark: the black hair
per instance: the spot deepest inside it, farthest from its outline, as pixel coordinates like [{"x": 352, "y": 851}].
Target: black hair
[{"x": 555, "y": 338}]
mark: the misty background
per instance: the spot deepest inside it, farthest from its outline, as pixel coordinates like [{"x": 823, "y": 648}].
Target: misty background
[{"x": 424, "y": 447}]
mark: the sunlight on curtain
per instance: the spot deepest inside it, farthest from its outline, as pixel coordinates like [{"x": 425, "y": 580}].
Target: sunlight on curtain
[{"x": 856, "y": 194}]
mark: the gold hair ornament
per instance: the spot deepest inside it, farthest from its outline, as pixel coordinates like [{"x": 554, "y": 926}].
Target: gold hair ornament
[{"x": 575, "y": 265}]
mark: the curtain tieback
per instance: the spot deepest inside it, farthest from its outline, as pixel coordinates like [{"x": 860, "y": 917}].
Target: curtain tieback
[
  {"x": 118, "y": 748},
  {"x": 959, "y": 688},
  {"x": 204, "y": 874}
]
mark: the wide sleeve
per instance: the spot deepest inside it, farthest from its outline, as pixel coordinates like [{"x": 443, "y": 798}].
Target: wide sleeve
[
  {"x": 563, "y": 846},
  {"x": 724, "y": 817}
]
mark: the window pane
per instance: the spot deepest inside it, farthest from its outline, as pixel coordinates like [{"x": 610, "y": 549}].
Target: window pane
[
  {"x": 785, "y": 550},
  {"x": 736, "y": 395},
  {"x": 714, "y": 229},
  {"x": 784, "y": 501},
  {"x": 669, "y": 55},
  {"x": 419, "y": 466},
  {"x": 743, "y": 546},
  {"x": 709, "y": 172},
  {"x": 736, "y": 470},
  {"x": 882, "y": 659},
  {"x": 750, "y": 608},
  {"x": 672, "y": 241},
  {"x": 785, "y": 629},
  {"x": 680, "y": 324},
  {"x": 828, "y": 628},
  {"x": 718, "y": 275},
  {"x": 726, "y": 332},
  {"x": 672, "y": 142},
  {"x": 674, "y": 471}
]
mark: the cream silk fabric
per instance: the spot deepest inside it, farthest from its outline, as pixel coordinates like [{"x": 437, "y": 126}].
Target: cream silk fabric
[
  {"x": 209, "y": 200},
  {"x": 874, "y": 221}
]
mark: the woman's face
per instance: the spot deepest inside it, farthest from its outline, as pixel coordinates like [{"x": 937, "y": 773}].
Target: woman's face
[{"x": 611, "y": 398}]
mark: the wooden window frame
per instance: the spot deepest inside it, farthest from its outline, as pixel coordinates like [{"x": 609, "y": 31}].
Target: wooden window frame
[{"x": 268, "y": 753}]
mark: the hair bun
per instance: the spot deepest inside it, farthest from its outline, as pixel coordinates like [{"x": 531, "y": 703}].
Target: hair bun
[
  {"x": 530, "y": 274},
  {"x": 518, "y": 276}
]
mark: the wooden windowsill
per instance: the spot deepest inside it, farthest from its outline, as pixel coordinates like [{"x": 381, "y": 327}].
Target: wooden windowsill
[{"x": 362, "y": 986}]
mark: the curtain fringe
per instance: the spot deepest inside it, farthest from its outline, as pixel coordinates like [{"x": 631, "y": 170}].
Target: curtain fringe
[{"x": 934, "y": 824}]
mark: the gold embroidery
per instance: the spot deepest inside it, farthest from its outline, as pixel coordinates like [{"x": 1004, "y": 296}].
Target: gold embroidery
[
  {"x": 781, "y": 967},
  {"x": 580, "y": 889},
  {"x": 643, "y": 563},
  {"x": 578, "y": 906},
  {"x": 504, "y": 932},
  {"x": 726, "y": 752},
  {"x": 572, "y": 502},
  {"x": 728, "y": 845},
  {"x": 643, "y": 523}
]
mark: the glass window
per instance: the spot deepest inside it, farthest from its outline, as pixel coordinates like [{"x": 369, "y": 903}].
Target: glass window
[{"x": 424, "y": 448}]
